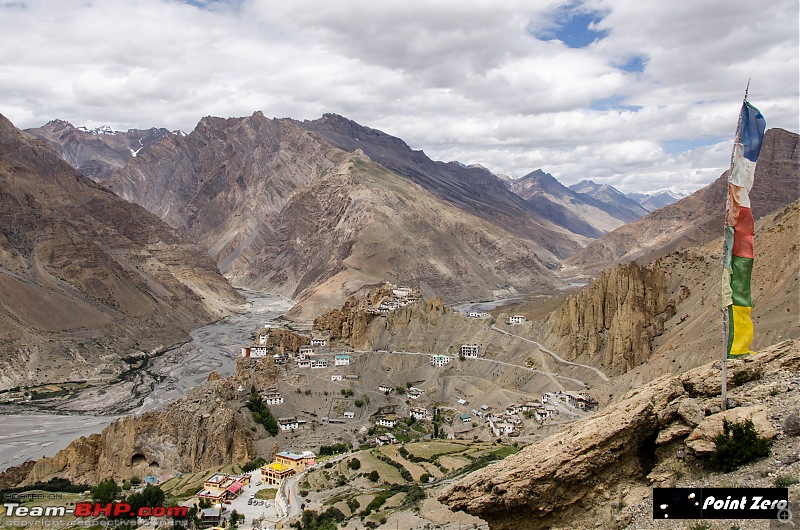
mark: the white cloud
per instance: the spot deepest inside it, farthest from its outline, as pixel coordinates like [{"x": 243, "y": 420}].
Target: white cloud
[{"x": 463, "y": 80}]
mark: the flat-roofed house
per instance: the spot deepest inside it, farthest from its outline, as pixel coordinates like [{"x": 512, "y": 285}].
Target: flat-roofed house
[
  {"x": 471, "y": 351},
  {"x": 341, "y": 360},
  {"x": 288, "y": 424}
]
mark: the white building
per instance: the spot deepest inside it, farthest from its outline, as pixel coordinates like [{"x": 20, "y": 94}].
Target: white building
[
  {"x": 319, "y": 342},
  {"x": 385, "y": 439},
  {"x": 418, "y": 413},
  {"x": 387, "y": 421},
  {"x": 470, "y": 350},
  {"x": 288, "y": 424},
  {"x": 255, "y": 352},
  {"x": 439, "y": 360},
  {"x": 341, "y": 360},
  {"x": 273, "y": 398},
  {"x": 386, "y": 389},
  {"x": 305, "y": 352},
  {"x": 336, "y": 377},
  {"x": 349, "y": 414},
  {"x": 477, "y": 314},
  {"x": 262, "y": 339},
  {"x": 319, "y": 363},
  {"x": 402, "y": 292},
  {"x": 414, "y": 393},
  {"x": 500, "y": 426},
  {"x": 303, "y": 363},
  {"x": 516, "y": 319}
]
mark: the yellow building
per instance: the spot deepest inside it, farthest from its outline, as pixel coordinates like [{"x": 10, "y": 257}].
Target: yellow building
[
  {"x": 292, "y": 460},
  {"x": 274, "y": 472}
]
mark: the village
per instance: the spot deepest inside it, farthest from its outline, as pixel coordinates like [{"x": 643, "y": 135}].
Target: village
[
  {"x": 339, "y": 372},
  {"x": 327, "y": 392}
]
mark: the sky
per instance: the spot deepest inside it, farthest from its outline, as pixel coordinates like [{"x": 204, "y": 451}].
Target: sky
[{"x": 639, "y": 94}]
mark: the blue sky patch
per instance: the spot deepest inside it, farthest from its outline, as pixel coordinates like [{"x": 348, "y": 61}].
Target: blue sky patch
[
  {"x": 210, "y": 5},
  {"x": 571, "y": 26},
  {"x": 613, "y": 102},
  {"x": 687, "y": 144},
  {"x": 635, "y": 64}
]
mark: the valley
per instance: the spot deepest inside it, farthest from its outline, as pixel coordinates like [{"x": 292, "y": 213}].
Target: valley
[{"x": 588, "y": 316}]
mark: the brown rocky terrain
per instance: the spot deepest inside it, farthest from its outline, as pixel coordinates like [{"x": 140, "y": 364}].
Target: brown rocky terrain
[
  {"x": 668, "y": 311},
  {"x": 209, "y": 426},
  {"x": 87, "y": 280},
  {"x": 96, "y": 154},
  {"x": 284, "y": 211},
  {"x": 575, "y": 477},
  {"x": 472, "y": 189},
  {"x": 698, "y": 218}
]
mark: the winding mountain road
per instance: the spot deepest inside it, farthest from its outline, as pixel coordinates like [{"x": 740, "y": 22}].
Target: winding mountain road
[
  {"x": 554, "y": 355},
  {"x": 495, "y": 361}
]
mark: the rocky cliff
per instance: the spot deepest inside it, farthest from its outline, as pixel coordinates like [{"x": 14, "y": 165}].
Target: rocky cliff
[
  {"x": 612, "y": 322},
  {"x": 209, "y": 426},
  {"x": 668, "y": 311},
  {"x": 88, "y": 280},
  {"x": 572, "y": 478},
  {"x": 698, "y": 218}
]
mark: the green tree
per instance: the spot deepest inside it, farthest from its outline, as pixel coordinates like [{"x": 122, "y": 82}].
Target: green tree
[
  {"x": 354, "y": 464},
  {"x": 261, "y": 413},
  {"x": 105, "y": 492}
]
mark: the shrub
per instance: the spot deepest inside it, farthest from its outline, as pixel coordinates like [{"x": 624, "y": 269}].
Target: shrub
[
  {"x": 791, "y": 425},
  {"x": 425, "y": 478},
  {"x": 354, "y": 464},
  {"x": 784, "y": 481},
  {"x": 738, "y": 444},
  {"x": 373, "y": 475},
  {"x": 353, "y": 504}
]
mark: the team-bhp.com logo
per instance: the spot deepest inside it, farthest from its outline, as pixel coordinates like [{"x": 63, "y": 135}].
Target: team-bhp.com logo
[{"x": 95, "y": 509}]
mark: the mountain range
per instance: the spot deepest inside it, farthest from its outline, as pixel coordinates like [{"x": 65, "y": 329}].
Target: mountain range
[
  {"x": 281, "y": 208},
  {"x": 303, "y": 208},
  {"x": 319, "y": 210},
  {"x": 698, "y": 218}
]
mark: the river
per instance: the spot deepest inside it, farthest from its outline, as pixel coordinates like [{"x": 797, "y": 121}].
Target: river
[{"x": 31, "y": 435}]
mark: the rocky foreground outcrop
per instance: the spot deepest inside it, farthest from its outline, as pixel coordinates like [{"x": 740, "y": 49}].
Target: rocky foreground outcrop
[
  {"x": 570, "y": 475},
  {"x": 209, "y": 426}
]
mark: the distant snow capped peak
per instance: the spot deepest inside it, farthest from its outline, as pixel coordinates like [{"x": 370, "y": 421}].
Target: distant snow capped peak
[
  {"x": 178, "y": 132},
  {"x": 668, "y": 192},
  {"x": 103, "y": 129}
]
